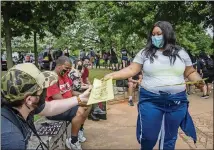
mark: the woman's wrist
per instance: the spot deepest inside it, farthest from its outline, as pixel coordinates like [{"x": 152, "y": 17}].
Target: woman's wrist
[{"x": 113, "y": 76}]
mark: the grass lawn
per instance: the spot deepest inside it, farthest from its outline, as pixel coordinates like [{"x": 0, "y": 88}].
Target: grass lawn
[
  {"x": 3, "y": 73},
  {"x": 93, "y": 73},
  {"x": 98, "y": 73}
]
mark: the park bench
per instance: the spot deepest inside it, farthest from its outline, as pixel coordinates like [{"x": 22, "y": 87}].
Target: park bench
[{"x": 52, "y": 133}]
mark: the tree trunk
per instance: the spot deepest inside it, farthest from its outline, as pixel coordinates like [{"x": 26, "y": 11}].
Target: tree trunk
[
  {"x": 35, "y": 48},
  {"x": 8, "y": 40}
]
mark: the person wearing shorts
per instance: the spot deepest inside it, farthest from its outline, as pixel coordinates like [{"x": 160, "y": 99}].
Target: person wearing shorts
[
  {"x": 114, "y": 60},
  {"x": 92, "y": 57},
  {"x": 61, "y": 90},
  {"x": 208, "y": 74},
  {"x": 205, "y": 73},
  {"x": 133, "y": 83},
  {"x": 105, "y": 58},
  {"x": 124, "y": 58},
  {"x": 50, "y": 59}
]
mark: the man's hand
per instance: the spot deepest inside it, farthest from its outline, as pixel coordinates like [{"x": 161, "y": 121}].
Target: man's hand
[
  {"x": 85, "y": 95},
  {"x": 85, "y": 86}
]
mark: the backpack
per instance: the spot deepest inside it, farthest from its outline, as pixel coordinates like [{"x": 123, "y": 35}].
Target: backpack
[
  {"x": 7, "y": 113},
  {"x": 209, "y": 64},
  {"x": 10, "y": 115}
]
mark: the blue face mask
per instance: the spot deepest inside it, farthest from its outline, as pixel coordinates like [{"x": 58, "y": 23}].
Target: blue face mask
[{"x": 158, "y": 41}]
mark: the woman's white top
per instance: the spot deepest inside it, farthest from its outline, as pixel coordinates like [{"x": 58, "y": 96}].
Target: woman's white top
[{"x": 161, "y": 72}]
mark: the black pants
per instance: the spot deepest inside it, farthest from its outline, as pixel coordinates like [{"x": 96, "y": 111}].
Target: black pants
[
  {"x": 97, "y": 63},
  {"x": 66, "y": 116}
]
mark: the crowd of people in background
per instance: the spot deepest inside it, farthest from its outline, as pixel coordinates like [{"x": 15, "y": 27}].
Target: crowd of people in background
[
  {"x": 203, "y": 63},
  {"x": 111, "y": 59}
]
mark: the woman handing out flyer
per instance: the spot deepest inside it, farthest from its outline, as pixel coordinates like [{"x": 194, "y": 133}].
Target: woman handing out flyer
[{"x": 162, "y": 109}]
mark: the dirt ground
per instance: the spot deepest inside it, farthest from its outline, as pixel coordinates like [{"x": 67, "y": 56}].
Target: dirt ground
[{"x": 118, "y": 131}]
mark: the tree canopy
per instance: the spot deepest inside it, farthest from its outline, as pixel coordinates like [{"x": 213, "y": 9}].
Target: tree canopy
[{"x": 102, "y": 24}]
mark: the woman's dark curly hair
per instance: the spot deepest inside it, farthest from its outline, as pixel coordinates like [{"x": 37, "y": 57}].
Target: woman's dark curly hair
[{"x": 170, "y": 48}]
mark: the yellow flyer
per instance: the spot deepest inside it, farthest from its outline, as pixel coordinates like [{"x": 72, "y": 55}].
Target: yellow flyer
[{"x": 102, "y": 91}]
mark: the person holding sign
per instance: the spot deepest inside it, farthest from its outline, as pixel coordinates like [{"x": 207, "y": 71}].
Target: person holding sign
[
  {"x": 62, "y": 90},
  {"x": 162, "y": 109},
  {"x": 23, "y": 92}
]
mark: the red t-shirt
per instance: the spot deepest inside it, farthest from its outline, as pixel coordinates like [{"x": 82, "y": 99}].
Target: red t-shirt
[
  {"x": 63, "y": 87},
  {"x": 85, "y": 75}
]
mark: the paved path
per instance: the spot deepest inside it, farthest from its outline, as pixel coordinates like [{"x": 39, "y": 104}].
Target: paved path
[{"x": 118, "y": 131}]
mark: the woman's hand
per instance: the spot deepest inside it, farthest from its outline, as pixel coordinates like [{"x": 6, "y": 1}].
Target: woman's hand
[
  {"x": 108, "y": 76},
  {"x": 200, "y": 84},
  {"x": 193, "y": 76}
]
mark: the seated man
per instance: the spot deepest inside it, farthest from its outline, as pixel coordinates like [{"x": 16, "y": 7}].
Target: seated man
[
  {"x": 61, "y": 90},
  {"x": 133, "y": 83}
]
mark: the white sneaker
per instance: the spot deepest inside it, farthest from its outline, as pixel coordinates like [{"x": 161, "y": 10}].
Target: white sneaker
[
  {"x": 81, "y": 137},
  {"x": 75, "y": 146},
  {"x": 98, "y": 110}
]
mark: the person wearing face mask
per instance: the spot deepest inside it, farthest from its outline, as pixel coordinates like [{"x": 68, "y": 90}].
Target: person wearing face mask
[
  {"x": 61, "y": 90},
  {"x": 75, "y": 75},
  {"x": 85, "y": 71},
  {"x": 78, "y": 86},
  {"x": 163, "y": 105},
  {"x": 23, "y": 92},
  {"x": 96, "y": 110}
]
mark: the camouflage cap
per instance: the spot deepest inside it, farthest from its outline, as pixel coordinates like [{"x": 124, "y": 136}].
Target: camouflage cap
[{"x": 25, "y": 79}]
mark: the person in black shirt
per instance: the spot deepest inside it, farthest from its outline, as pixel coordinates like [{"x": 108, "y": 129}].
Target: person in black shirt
[
  {"x": 97, "y": 59},
  {"x": 23, "y": 92},
  {"x": 50, "y": 59},
  {"x": 114, "y": 60},
  {"x": 124, "y": 58},
  {"x": 66, "y": 52},
  {"x": 21, "y": 57},
  {"x": 205, "y": 72},
  {"x": 58, "y": 54},
  {"x": 105, "y": 58}
]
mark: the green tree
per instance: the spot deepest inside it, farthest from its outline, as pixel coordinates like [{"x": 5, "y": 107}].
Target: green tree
[
  {"x": 26, "y": 18},
  {"x": 137, "y": 18}
]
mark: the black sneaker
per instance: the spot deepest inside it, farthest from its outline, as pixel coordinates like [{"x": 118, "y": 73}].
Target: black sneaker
[
  {"x": 205, "y": 96},
  {"x": 131, "y": 103}
]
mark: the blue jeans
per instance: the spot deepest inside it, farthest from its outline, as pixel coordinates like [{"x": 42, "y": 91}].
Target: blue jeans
[{"x": 159, "y": 116}]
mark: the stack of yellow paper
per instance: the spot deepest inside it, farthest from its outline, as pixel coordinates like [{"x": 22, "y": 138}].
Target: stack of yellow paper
[{"x": 102, "y": 91}]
